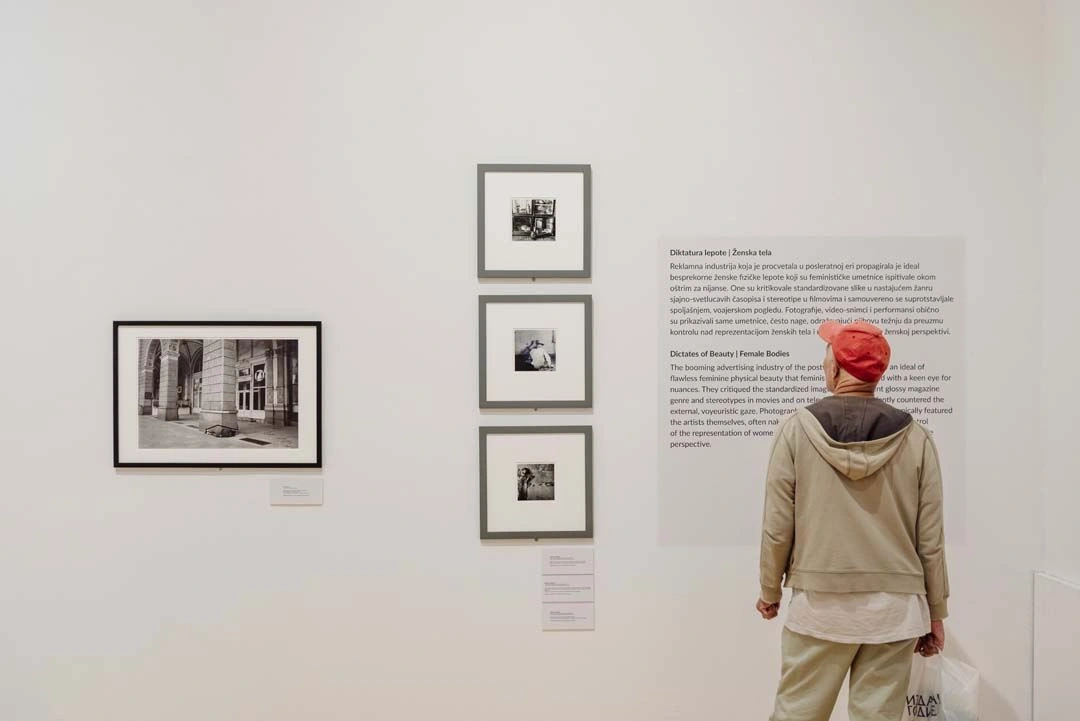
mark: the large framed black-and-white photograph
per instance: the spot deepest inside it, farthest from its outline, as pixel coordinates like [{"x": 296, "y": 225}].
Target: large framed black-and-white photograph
[
  {"x": 217, "y": 394},
  {"x": 536, "y": 482},
  {"x": 534, "y": 221},
  {"x": 535, "y": 351}
]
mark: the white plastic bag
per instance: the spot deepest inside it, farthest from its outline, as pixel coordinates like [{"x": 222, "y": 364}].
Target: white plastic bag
[
  {"x": 924, "y": 690},
  {"x": 959, "y": 690},
  {"x": 942, "y": 688}
]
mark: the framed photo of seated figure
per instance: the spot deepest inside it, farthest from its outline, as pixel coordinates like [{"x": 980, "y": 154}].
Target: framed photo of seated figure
[
  {"x": 217, "y": 394},
  {"x": 534, "y": 221},
  {"x": 536, "y": 482},
  {"x": 536, "y": 351}
]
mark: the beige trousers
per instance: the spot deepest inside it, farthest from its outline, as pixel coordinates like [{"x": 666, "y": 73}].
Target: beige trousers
[{"x": 813, "y": 672}]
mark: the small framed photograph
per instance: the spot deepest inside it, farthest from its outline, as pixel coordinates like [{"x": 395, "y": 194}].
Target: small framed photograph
[
  {"x": 534, "y": 221},
  {"x": 213, "y": 394},
  {"x": 535, "y": 351},
  {"x": 536, "y": 482}
]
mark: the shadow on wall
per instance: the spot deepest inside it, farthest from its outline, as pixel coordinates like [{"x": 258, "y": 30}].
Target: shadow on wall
[{"x": 991, "y": 704}]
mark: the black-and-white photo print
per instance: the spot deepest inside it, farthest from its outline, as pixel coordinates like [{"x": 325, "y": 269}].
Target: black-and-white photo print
[
  {"x": 536, "y": 482},
  {"x": 218, "y": 393},
  {"x": 534, "y": 349},
  {"x": 533, "y": 218}
]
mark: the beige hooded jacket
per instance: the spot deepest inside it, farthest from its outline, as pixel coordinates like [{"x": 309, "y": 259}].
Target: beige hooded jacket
[{"x": 853, "y": 516}]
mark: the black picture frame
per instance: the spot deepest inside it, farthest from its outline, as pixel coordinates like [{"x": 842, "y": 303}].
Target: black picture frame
[{"x": 181, "y": 324}]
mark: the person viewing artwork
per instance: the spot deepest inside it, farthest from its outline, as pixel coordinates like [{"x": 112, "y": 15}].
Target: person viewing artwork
[{"x": 853, "y": 526}]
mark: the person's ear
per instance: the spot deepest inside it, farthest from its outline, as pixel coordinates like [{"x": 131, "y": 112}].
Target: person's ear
[{"x": 831, "y": 369}]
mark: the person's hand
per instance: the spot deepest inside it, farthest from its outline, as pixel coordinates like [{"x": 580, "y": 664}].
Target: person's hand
[
  {"x": 768, "y": 611},
  {"x": 932, "y": 643}
]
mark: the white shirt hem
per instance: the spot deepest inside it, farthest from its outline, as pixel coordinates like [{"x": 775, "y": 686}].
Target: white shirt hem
[{"x": 899, "y": 635}]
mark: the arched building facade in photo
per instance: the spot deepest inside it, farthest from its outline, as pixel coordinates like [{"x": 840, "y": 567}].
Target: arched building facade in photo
[{"x": 219, "y": 381}]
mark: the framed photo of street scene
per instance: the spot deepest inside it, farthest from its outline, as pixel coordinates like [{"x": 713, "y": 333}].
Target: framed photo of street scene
[
  {"x": 536, "y": 482},
  {"x": 534, "y": 221},
  {"x": 213, "y": 394},
  {"x": 536, "y": 351}
]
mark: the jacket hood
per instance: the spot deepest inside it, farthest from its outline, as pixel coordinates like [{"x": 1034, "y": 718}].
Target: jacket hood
[{"x": 857, "y": 459}]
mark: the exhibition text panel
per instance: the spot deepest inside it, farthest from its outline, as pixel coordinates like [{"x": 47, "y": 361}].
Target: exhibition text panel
[{"x": 739, "y": 352}]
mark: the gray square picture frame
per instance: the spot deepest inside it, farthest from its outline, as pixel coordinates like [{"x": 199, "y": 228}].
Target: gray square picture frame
[
  {"x": 524, "y": 403},
  {"x": 486, "y": 432},
  {"x": 538, "y": 215}
]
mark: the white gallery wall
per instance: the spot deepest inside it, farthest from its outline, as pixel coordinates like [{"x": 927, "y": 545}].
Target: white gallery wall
[
  {"x": 1060, "y": 300},
  {"x": 276, "y": 161},
  {"x": 1057, "y": 593}
]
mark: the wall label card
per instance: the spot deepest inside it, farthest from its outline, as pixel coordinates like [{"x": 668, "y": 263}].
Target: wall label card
[
  {"x": 296, "y": 492},
  {"x": 568, "y": 589},
  {"x": 568, "y": 560},
  {"x": 739, "y": 352},
  {"x": 569, "y": 617},
  {"x": 567, "y": 595}
]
